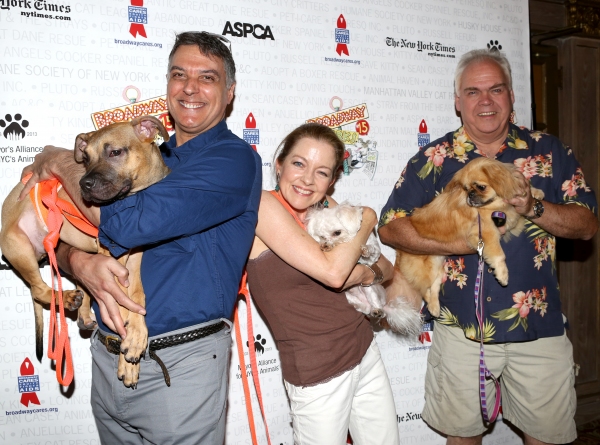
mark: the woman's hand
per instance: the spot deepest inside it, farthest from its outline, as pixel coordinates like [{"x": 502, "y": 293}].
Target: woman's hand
[{"x": 277, "y": 229}]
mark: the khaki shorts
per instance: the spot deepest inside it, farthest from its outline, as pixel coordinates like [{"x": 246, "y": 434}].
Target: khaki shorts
[{"x": 537, "y": 378}]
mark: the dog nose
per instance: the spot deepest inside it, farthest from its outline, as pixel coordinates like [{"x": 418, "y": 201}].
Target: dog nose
[{"x": 86, "y": 183}]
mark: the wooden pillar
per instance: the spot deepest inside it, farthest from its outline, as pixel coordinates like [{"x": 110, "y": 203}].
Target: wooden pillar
[{"x": 578, "y": 269}]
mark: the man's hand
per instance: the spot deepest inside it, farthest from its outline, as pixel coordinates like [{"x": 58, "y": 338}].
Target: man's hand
[
  {"x": 97, "y": 273},
  {"x": 522, "y": 201},
  {"x": 45, "y": 166}
]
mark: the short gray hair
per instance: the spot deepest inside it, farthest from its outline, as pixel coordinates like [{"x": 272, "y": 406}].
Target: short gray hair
[
  {"x": 482, "y": 55},
  {"x": 211, "y": 45}
]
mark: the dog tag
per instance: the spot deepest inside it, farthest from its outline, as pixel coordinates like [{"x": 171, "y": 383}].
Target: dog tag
[{"x": 499, "y": 218}]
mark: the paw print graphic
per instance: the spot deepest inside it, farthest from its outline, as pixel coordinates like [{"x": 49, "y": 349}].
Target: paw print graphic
[
  {"x": 493, "y": 45},
  {"x": 14, "y": 130},
  {"x": 259, "y": 342}
]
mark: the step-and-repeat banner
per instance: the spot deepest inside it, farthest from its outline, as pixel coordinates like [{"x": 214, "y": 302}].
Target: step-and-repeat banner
[{"x": 378, "y": 71}]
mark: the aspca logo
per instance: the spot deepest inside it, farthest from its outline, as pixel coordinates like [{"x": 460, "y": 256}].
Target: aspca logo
[{"x": 243, "y": 29}]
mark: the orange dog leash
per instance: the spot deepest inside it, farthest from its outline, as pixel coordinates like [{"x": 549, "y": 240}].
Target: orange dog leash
[
  {"x": 51, "y": 210},
  {"x": 243, "y": 292}
]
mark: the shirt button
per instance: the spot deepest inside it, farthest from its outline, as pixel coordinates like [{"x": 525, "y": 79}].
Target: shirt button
[
  {"x": 490, "y": 270},
  {"x": 488, "y": 299}
]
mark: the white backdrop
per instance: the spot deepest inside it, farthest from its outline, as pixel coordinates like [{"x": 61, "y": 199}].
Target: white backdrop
[{"x": 379, "y": 71}]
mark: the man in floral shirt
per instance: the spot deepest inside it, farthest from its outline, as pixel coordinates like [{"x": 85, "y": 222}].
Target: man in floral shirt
[{"x": 523, "y": 327}]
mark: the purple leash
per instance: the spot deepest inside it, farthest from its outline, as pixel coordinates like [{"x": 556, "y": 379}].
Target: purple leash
[{"x": 484, "y": 372}]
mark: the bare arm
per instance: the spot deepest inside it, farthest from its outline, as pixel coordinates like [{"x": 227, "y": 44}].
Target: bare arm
[
  {"x": 277, "y": 229},
  {"x": 400, "y": 234},
  {"x": 97, "y": 273},
  {"x": 362, "y": 274},
  {"x": 59, "y": 163},
  {"x": 566, "y": 221}
]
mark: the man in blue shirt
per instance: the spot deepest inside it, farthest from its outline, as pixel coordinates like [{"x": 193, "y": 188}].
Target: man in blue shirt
[
  {"x": 524, "y": 333},
  {"x": 197, "y": 227}
]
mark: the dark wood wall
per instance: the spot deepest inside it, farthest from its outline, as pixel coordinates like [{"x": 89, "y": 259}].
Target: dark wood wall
[{"x": 577, "y": 49}]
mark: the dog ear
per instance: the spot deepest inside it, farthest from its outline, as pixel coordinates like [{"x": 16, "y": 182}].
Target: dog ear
[
  {"x": 81, "y": 141},
  {"x": 502, "y": 178},
  {"x": 350, "y": 217},
  {"x": 147, "y": 127}
]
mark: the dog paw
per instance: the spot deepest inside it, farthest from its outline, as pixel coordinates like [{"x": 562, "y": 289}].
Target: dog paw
[
  {"x": 134, "y": 345},
  {"x": 501, "y": 275},
  {"x": 537, "y": 193},
  {"x": 377, "y": 313},
  {"x": 72, "y": 299},
  {"x": 128, "y": 372},
  {"x": 434, "y": 307},
  {"x": 86, "y": 323}
]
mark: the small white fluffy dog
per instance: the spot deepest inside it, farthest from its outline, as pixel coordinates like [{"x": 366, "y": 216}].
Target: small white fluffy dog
[{"x": 336, "y": 225}]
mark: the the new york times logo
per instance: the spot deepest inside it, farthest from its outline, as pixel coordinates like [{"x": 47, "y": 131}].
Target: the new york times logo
[
  {"x": 419, "y": 45},
  {"x": 40, "y": 5}
]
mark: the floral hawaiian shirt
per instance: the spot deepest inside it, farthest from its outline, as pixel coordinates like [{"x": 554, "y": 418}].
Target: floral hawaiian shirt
[{"x": 529, "y": 307}]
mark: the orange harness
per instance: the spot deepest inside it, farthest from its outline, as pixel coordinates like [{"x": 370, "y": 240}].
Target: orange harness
[{"x": 51, "y": 209}]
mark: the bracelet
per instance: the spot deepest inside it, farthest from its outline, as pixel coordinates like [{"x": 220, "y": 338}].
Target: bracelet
[{"x": 377, "y": 275}]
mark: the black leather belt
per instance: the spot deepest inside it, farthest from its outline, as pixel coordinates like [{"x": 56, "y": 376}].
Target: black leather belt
[{"x": 113, "y": 343}]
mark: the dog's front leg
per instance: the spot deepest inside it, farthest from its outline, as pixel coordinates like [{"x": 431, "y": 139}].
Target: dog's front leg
[
  {"x": 136, "y": 341},
  {"x": 134, "y": 345},
  {"x": 492, "y": 251}
]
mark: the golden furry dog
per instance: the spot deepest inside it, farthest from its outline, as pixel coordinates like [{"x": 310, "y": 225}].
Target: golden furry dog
[
  {"x": 120, "y": 160},
  {"x": 479, "y": 188}
]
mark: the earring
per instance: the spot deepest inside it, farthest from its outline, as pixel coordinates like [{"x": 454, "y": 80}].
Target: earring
[
  {"x": 326, "y": 203},
  {"x": 277, "y": 185},
  {"x": 513, "y": 117}
]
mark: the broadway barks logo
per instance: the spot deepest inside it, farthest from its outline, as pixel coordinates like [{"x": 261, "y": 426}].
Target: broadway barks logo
[{"x": 361, "y": 153}]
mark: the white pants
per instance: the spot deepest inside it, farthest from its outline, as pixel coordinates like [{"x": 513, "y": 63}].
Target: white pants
[{"x": 359, "y": 400}]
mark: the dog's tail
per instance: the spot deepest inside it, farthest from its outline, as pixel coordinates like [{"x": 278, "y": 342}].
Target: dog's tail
[
  {"x": 402, "y": 317},
  {"x": 39, "y": 329}
]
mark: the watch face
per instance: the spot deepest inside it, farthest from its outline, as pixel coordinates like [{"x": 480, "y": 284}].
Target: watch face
[{"x": 538, "y": 208}]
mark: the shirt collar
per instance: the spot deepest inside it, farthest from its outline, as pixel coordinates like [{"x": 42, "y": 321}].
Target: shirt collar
[{"x": 512, "y": 141}]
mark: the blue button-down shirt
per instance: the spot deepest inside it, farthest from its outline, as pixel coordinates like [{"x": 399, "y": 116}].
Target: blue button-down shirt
[
  {"x": 197, "y": 226},
  {"x": 529, "y": 307}
]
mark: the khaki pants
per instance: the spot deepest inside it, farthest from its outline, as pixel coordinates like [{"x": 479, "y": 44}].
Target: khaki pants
[{"x": 537, "y": 378}]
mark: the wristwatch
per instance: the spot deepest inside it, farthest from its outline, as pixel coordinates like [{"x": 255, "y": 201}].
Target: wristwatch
[{"x": 538, "y": 209}]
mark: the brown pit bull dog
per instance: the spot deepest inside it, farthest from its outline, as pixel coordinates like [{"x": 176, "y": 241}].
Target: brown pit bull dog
[{"x": 120, "y": 160}]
